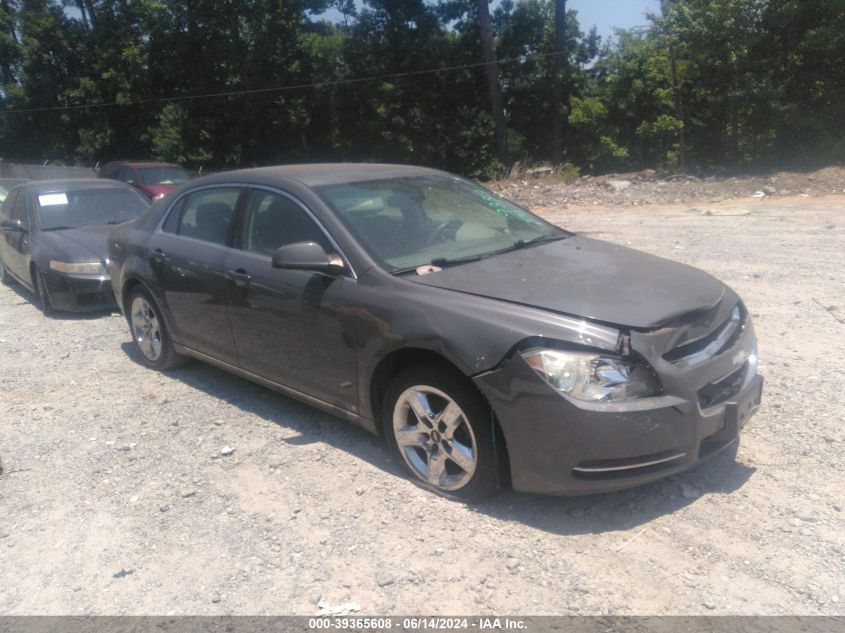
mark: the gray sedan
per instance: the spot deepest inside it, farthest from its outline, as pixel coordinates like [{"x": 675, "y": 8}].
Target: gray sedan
[{"x": 487, "y": 346}]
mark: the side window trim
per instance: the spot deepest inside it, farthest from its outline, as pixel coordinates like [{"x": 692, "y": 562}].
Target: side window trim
[
  {"x": 177, "y": 206},
  {"x": 241, "y": 222},
  {"x": 240, "y": 212}
]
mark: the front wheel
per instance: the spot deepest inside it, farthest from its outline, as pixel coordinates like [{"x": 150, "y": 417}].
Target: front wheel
[
  {"x": 440, "y": 429},
  {"x": 149, "y": 332}
]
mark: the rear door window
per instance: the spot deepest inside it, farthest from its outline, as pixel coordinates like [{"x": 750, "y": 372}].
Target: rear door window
[{"x": 204, "y": 215}]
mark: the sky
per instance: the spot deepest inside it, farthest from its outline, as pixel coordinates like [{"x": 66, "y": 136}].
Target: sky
[
  {"x": 606, "y": 15},
  {"x": 609, "y": 14}
]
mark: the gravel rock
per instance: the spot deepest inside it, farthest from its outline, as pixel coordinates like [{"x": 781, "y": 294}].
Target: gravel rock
[
  {"x": 688, "y": 491},
  {"x": 619, "y": 185},
  {"x": 383, "y": 580}
]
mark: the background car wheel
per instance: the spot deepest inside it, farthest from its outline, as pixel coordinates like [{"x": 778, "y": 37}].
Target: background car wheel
[
  {"x": 149, "y": 331},
  {"x": 5, "y": 277},
  {"x": 438, "y": 426},
  {"x": 42, "y": 294}
]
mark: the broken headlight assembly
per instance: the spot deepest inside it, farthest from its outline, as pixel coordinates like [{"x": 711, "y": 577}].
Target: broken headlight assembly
[{"x": 593, "y": 377}]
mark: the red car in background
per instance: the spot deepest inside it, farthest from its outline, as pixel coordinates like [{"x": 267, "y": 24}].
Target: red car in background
[{"x": 154, "y": 180}]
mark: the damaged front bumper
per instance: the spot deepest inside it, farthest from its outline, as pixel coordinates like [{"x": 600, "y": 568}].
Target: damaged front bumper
[{"x": 557, "y": 445}]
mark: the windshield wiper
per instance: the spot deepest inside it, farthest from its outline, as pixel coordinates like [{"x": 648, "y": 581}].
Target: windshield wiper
[
  {"x": 443, "y": 262},
  {"x": 440, "y": 262},
  {"x": 534, "y": 240},
  {"x": 59, "y": 228}
]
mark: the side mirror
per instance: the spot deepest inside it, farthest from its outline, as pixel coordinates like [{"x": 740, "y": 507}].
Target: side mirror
[
  {"x": 307, "y": 256},
  {"x": 13, "y": 226}
]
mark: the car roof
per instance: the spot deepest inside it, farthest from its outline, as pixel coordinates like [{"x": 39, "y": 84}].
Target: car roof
[
  {"x": 319, "y": 174},
  {"x": 38, "y": 187},
  {"x": 138, "y": 163}
]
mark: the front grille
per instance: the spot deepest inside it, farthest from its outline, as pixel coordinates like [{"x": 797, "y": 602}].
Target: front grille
[
  {"x": 723, "y": 389},
  {"x": 720, "y": 339}
]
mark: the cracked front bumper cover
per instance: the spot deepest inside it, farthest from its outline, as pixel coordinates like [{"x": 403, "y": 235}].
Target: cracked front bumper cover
[{"x": 556, "y": 446}]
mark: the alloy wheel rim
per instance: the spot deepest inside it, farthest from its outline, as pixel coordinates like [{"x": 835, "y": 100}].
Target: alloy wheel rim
[
  {"x": 145, "y": 328},
  {"x": 434, "y": 437}
]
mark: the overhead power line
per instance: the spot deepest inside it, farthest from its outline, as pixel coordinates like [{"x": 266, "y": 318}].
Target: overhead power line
[{"x": 251, "y": 91}]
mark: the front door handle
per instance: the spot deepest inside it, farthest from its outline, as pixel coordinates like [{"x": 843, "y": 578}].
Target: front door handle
[{"x": 240, "y": 277}]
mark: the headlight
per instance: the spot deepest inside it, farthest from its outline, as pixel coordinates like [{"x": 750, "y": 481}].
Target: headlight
[
  {"x": 591, "y": 376},
  {"x": 79, "y": 268},
  {"x": 753, "y": 360}
]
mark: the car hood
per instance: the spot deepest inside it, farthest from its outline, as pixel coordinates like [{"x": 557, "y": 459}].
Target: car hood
[
  {"x": 587, "y": 278},
  {"x": 154, "y": 191},
  {"x": 87, "y": 242}
]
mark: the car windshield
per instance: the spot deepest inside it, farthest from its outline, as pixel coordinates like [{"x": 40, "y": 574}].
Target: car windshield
[
  {"x": 82, "y": 207},
  {"x": 163, "y": 175},
  {"x": 409, "y": 222}
]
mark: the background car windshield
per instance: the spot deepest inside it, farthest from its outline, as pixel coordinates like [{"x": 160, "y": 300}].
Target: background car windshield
[
  {"x": 85, "y": 207},
  {"x": 163, "y": 175},
  {"x": 406, "y": 222}
]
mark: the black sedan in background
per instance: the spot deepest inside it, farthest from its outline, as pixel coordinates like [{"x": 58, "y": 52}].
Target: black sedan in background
[
  {"x": 482, "y": 342},
  {"x": 53, "y": 239}
]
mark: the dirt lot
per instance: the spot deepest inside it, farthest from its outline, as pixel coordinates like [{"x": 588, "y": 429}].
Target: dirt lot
[{"x": 116, "y": 498}]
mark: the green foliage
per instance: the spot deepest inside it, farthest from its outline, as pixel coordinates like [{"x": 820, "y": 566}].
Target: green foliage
[
  {"x": 709, "y": 84},
  {"x": 568, "y": 173}
]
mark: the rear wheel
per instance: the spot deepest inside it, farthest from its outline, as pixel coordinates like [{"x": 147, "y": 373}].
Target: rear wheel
[
  {"x": 42, "y": 293},
  {"x": 149, "y": 331},
  {"x": 439, "y": 428}
]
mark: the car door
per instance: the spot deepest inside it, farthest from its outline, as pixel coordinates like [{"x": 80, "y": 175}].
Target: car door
[
  {"x": 18, "y": 244},
  {"x": 293, "y": 327},
  {"x": 6, "y": 235},
  {"x": 188, "y": 254}
]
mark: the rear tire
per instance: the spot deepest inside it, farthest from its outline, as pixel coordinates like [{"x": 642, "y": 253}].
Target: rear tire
[
  {"x": 149, "y": 332},
  {"x": 439, "y": 429},
  {"x": 42, "y": 294}
]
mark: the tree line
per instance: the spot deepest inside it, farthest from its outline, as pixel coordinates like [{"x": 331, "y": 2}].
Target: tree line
[{"x": 457, "y": 84}]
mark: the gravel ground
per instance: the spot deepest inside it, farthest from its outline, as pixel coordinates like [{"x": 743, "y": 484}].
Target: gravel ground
[
  {"x": 126, "y": 491},
  {"x": 649, "y": 187}
]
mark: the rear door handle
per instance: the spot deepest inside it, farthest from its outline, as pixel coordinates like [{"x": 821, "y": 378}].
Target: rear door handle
[
  {"x": 240, "y": 277},
  {"x": 158, "y": 256}
]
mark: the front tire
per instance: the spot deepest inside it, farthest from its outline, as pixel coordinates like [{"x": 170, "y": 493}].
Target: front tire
[
  {"x": 149, "y": 332},
  {"x": 439, "y": 429}
]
